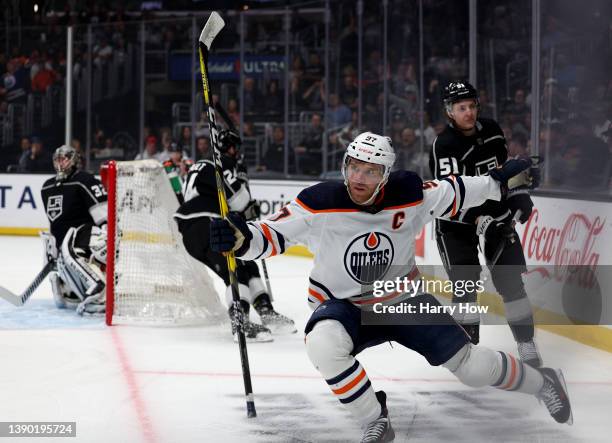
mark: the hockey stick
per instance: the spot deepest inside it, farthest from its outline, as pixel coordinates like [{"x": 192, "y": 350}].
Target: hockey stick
[
  {"x": 19, "y": 300},
  {"x": 213, "y": 26},
  {"x": 232, "y": 127}
]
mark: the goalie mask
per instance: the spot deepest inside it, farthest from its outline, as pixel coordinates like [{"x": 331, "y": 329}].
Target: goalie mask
[
  {"x": 361, "y": 177},
  {"x": 65, "y": 160}
]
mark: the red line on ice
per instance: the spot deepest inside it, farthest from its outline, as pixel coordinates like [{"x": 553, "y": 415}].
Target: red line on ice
[{"x": 130, "y": 378}]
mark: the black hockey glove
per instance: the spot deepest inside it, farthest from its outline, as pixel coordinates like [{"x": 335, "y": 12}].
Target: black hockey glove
[
  {"x": 252, "y": 211},
  {"x": 497, "y": 235},
  {"x": 230, "y": 234},
  {"x": 519, "y": 202},
  {"x": 512, "y": 168}
]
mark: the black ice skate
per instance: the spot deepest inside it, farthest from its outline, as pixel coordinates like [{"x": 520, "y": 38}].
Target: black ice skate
[
  {"x": 528, "y": 351},
  {"x": 380, "y": 430},
  {"x": 278, "y": 323},
  {"x": 253, "y": 332},
  {"x": 554, "y": 395}
]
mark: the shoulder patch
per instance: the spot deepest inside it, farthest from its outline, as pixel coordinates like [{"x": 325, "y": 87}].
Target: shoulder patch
[
  {"x": 323, "y": 196},
  {"x": 403, "y": 188}
]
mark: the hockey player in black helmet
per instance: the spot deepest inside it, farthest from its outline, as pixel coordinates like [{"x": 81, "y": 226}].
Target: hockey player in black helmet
[
  {"x": 193, "y": 218},
  {"x": 75, "y": 204},
  {"x": 470, "y": 145}
]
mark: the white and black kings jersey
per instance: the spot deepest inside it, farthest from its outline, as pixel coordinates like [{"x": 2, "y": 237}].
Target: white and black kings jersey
[
  {"x": 77, "y": 200},
  {"x": 454, "y": 153},
  {"x": 354, "y": 246},
  {"x": 200, "y": 189}
]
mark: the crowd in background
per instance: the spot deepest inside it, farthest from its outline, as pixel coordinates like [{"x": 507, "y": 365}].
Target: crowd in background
[{"x": 575, "y": 132}]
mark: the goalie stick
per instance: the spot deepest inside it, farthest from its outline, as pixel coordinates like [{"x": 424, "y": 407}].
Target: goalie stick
[
  {"x": 232, "y": 127},
  {"x": 19, "y": 300},
  {"x": 213, "y": 26}
]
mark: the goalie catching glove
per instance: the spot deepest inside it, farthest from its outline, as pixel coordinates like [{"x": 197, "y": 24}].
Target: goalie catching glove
[{"x": 230, "y": 234}]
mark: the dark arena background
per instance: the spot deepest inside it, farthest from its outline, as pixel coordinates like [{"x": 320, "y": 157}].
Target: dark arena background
[{"x": 297, "y": 81}]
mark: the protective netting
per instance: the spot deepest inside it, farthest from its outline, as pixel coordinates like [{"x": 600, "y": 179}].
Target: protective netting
[{"x": 156, "y": 281}]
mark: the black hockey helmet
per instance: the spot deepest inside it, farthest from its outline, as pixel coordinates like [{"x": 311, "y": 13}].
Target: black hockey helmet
[
  {"x": 227, "y": 139},
  {"x": 458, "y": 90},
  {"x": 65, "y": 161}
]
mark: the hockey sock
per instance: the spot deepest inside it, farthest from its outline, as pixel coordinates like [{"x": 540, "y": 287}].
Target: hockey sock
[
  {"x": 329, "y": 349},
  {"x": 478, "y": 366},
  {"x": 520, "y": 318},
  {"x": 353, "y": 389},
  {"x": 514, "y": 375}
]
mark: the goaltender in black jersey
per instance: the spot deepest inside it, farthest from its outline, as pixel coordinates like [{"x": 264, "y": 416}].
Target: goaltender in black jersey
[
  {"x": 193, "y": 218},
  {"x": 75, "y": 204}
]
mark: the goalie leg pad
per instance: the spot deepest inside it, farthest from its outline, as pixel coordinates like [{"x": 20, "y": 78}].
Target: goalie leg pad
[
  {"x": 329, "y": 349},
  {"x": 81, "y": 277}
]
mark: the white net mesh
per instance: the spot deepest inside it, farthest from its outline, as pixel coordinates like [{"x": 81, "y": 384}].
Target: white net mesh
[{"x": 156, "y": 281}]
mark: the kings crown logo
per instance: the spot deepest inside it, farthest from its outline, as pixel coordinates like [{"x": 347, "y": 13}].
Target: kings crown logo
[{"x": 368, "y": 257}]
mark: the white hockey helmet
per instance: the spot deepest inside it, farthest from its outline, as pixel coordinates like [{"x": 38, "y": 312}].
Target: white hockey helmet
[{"x": 371, "y": 148}]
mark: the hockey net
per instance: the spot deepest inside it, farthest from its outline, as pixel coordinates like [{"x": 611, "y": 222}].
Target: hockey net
[{"x": 151, "y": 279}]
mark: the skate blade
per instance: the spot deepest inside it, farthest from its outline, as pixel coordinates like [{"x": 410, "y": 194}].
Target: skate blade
[
  {"x": 570, "y": 420},
  {"x": 282, "y": 329},
  {"x": 263, "y": 337}
]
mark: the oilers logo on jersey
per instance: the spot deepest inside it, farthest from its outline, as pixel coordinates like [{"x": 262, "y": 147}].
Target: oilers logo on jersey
[{"x": 368, "y": 257}]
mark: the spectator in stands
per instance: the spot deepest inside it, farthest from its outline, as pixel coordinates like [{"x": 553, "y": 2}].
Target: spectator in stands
[
  {"x": 553, "y": 103},
  {"x": 76, "y": 144},
  {"x": 14, "y": 83},
  {"x": 252, "y": 97},
  {"x": 150, "y": 150},
  {"x": 350, "y": 131},
  {"x": 274, "y": 157},
  {"x": 44, "y": 78},
  {"x": 296, "y": 94},
  {"x": 349, "y": 92},
  {"x": 519, "y": 106},
  {"x": 409, "y": 155},
  {"x": 308, "y": 152},
  {"x": 428, "y": 130},
  {"x": 185, "y": 139},
  {"x": 202, "y": 148},
  {"x": 518, "y": 145},
  {"x": 487, "y": 109},
  {"x": 166, "y": 143},
  {"x": 274, "y": 99},
  {"x": 338, "y": 114},
  {"x": 313, "y": 96},
  {"x": 314, "y": 70},
  {"x": 233, "y": 110},
  {"x": 35, "y": 160},
  {"x": 398, "y": 123}
]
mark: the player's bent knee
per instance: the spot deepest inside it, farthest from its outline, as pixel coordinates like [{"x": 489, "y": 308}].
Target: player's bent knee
[
  {"x": 475, "y": 366},
  {"x": 329, "y": 346}
]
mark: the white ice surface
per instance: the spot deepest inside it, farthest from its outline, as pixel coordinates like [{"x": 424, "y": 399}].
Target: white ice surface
[{"x": 137, "y": 384}]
